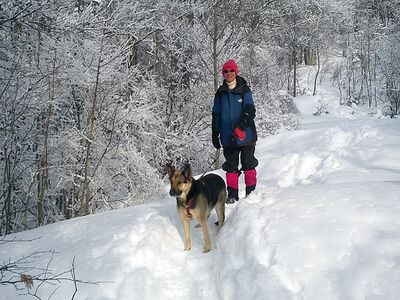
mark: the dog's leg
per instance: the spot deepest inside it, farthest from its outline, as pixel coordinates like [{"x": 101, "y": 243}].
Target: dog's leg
[
  {"x": 186, "y": 229},
  {"x": 208, "y": 216},
  {"x": 220, "y": 209},
  {"x": 206, "y": 234}
]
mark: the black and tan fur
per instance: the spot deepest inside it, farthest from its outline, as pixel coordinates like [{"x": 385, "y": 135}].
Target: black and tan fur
[{"x": 195, "y": 199}]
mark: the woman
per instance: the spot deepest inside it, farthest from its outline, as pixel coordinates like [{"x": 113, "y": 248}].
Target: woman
[{"x": 233, "y": 126}]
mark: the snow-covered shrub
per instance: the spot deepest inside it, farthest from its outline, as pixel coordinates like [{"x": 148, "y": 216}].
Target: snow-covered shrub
[{"x": 276, "y": 111}]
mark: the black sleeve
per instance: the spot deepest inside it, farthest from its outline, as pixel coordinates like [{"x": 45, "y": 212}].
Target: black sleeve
[
  {"x": 214, "y": 126},
  {"x": 248, "y": 114}
]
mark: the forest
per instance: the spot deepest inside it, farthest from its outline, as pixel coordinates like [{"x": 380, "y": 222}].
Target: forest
[{"x": 96, "y": 96}]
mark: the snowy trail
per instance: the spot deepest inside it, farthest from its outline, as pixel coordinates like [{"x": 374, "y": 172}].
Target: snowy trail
[
  {"x": 328, "y": 224},
  {"x": 322, "y": 224},
  {"x": 314, "y": 247}
]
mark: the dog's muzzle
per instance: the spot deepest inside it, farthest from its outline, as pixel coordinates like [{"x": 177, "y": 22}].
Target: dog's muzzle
[{"x": 174, "y": 193}]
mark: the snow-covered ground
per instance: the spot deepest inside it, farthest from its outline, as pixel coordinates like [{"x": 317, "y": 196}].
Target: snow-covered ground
[{"x": 324, "y": 223}]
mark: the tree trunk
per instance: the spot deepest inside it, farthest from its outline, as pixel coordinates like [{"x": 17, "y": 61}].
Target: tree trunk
[
  {"x": 215, "y": 70},
  {"x": 43, "y": 171},
  {"x": 310, "y": 56},
  {"x": 86, "y": 197},
  {"x": 318, "y": 70},
  {"x": 5, "y": 227},
  {"x": 294, "y": 57}
]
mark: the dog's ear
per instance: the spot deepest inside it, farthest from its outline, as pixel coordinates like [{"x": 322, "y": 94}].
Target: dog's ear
[
  {"x": 187, "y": 172},
  {"x": 169, "y": 168}
]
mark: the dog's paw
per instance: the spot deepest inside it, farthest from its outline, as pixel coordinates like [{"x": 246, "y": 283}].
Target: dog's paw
[
  {"x": 206, "y": 250},
  {"x": 188, "y": 246},
  {"x": 207, "y": 247}
]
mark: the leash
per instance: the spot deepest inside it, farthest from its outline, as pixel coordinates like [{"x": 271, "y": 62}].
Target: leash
[{"x": 208, "y": 168}]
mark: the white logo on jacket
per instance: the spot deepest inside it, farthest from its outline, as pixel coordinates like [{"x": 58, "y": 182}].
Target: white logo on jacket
[{"x": 240, "y": 100}]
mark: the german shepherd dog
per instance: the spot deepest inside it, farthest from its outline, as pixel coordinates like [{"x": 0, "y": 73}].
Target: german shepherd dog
[{"x": 195, "y": 199}]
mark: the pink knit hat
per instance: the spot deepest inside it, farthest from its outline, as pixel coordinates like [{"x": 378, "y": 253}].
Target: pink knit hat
[{"x": 230, "y": 65}]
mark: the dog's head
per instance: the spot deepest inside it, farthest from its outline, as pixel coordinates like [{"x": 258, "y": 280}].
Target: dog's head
[{"x": 181, "y": 180}]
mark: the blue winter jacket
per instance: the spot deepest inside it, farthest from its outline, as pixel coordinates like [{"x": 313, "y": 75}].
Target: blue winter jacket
[{"x": 234, "y": 108}]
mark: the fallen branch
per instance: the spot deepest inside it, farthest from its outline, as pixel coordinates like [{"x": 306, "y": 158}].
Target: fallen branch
[{"x": 24, "y": 276}]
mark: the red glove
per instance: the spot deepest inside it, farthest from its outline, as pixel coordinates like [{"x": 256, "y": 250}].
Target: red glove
[{"x": 241, "y": 134}]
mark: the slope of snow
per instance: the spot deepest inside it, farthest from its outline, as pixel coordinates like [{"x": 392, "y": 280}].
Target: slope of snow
[{"x": 323, "y": 224}]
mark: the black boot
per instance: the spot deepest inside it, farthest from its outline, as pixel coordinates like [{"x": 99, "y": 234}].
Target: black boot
[
  {"x": 233, "y": 195},
  {"x": 249, "y": 189}
]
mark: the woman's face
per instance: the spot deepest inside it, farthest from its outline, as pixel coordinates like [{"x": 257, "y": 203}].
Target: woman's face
[{"x": 229, "y": 75}]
